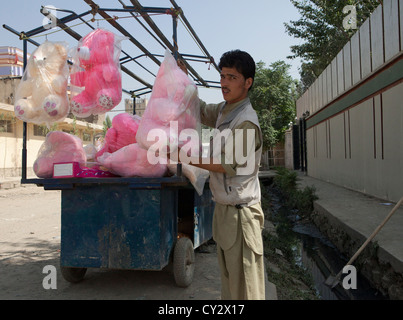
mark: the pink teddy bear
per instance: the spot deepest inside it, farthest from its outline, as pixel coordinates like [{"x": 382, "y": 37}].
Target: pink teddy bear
[
  {"x": 173, "y": 107},
  {"x": 122, "y": 133},
  {"x": 97, "y": 73},
  {"x": 131, "y": 161},
  {"x": 58, "y": 147}
]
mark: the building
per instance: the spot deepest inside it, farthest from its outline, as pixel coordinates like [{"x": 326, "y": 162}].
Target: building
[
  {"x": 141, "y": 105},
  {"x": 11, "y": 61},
  {"x": 11, "y": 128}
]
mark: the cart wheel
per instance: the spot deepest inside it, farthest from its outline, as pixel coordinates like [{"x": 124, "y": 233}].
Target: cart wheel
[
  {"x": 183, "y": 262},
  {"x": 73, "y": 275}
]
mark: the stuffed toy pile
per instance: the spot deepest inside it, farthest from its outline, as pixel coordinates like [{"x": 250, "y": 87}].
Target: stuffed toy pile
[
  {"x": 131, "y": 146},
  {"x": 58, "y": 147},
  {"x": 95, "y": 80},
  {"x": 173, "y": 108},
  {"x": 41, "y": 96},
  {"x": 122, "y": 155},
  {"x": 96, "y": 76}
]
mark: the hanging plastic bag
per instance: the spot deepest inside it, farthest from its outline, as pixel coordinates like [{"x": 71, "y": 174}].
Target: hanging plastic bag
[
  {"x": 96, "y": 80},
  {"x": 41, "y": 96},
  {"x": 172, "y": 108},
  {"x": 196, "y": 176}
]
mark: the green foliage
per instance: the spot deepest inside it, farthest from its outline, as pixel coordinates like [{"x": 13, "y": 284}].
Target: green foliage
[
  {"x": 266, "y": 124},
  {"x": 285, "y": 180},
  {"x": 265, "y": 202},
  {"x": 273, "y": 95},
  {"x": 282, "y": 247},
  {"x": 106, "y": 125},
  {"x": 321, "y": 28},
  {"x": 302, "y": 200},
  {"x": 291, "y": 280},
  {"x": 6, "y": 121},
  {"x": 74, "y": 130}
]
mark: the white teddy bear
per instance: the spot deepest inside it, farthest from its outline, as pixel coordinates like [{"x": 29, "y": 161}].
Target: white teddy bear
[{"x": 41, "y": 96}]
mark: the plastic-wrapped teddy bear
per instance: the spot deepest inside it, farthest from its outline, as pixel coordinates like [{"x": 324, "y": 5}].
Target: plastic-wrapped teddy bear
[
  {"x": 41, "y": 97},
  {"x": 122, "y": 133},
  {"x": 58, "y": 147},
  {"x": 96, "y": 81},
  {"x": 173, "y": 107},
  {"x": 131, "y": 161}
]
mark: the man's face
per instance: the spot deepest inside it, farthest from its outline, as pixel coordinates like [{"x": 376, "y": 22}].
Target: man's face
[{"x": 234, "y": 86}]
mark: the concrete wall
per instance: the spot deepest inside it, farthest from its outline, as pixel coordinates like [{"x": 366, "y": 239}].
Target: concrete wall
[
  {"x": 355, "y": 122},
  {"x": 288, "y": 150},
  {"x": 8, "y": 85}
]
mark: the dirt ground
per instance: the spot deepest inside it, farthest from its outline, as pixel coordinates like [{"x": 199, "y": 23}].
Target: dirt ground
[{"x": 30, "y": 241}]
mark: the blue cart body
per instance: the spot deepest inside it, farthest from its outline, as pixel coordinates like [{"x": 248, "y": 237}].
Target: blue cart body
[{"x": 130, "y": 226}]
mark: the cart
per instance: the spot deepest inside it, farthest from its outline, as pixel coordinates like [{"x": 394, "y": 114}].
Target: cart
[
  {"x": 128, "y": 223},
  {"x": 131, "y": 223}
]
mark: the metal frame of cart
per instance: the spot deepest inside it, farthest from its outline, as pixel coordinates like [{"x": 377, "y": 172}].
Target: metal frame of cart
[{"x": 129, "y": 223}]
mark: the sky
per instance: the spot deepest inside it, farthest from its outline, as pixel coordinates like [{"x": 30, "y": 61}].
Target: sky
[{"x": 255, "y": 26}]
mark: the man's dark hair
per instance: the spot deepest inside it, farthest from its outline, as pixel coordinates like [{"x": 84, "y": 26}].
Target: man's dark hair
[{"x": 241, "y": 61}]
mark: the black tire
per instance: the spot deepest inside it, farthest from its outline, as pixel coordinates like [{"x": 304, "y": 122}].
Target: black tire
[
  {"x": 183, "y": 262},
  {"x": 73, "y": 275}
]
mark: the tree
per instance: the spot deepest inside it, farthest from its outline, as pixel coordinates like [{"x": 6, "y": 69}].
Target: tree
[
  {"x": 273, "y": 95},
  {"x": 323, "y": 27}
]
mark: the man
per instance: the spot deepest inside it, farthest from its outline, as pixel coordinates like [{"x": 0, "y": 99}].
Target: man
[{"x": 238, "y": 216}]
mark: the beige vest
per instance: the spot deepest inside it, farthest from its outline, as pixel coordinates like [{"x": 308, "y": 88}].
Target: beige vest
[{"x": 244, "y": 188}]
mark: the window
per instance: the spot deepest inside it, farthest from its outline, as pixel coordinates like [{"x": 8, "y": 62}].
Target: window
[
  {"x": 40, "y": 130},
  {"x": 86, "y": 136},
  {"x": 6, "y": 126}
]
